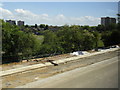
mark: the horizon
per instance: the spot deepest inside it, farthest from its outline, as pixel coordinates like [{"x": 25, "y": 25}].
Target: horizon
[{"x": 59, "y": 13}]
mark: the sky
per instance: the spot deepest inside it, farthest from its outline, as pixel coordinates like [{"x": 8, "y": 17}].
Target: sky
[{"x": 58, "y": 13}]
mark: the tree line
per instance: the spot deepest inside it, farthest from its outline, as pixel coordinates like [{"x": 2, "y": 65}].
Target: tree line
[{"x": 19, "y": 44}]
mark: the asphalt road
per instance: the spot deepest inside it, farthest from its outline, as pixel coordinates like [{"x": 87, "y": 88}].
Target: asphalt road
[{"x": 103, "y": 74}]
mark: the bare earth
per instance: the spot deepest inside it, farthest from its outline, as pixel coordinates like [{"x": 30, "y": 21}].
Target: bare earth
[
  {"x": 23, "y": 78},
  {"x": 32, "y": 62},
  {"x": 102, "y": 74}
]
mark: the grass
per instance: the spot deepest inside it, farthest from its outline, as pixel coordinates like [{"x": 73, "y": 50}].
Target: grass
[{"x": 41, "y": 38}]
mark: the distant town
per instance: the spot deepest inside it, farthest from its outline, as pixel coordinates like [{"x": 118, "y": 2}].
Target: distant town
[
  {"x": 104, "y": 21},
  {"x": 13, "y": 22}
]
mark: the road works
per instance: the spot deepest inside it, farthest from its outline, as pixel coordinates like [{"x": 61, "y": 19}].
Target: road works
[{"x": 19, "y": 77}]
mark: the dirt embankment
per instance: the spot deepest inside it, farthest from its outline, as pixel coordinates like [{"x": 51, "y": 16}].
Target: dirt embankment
[
  {"x": 22, "y": 78},
  {"x": 33, "y": 61}
]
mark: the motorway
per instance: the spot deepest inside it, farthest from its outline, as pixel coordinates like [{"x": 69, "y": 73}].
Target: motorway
[{"x": 102, "y": 74}]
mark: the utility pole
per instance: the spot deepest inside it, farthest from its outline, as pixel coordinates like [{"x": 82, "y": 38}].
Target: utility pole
[{"x": 118, "y": 12}]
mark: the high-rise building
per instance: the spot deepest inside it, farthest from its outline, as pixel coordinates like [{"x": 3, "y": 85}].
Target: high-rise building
[
  {"x": 20, "y": 23},
  {"x": 119, "y": 12},
  {"x": 107, "y": 21},
  {"x": 12, "y": 22}
]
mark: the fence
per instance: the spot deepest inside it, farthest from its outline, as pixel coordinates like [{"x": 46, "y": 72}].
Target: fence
[{"x": 18, "y": 58}]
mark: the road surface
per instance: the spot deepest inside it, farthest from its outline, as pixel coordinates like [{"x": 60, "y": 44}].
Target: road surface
[{"x": 103, "y": 74}]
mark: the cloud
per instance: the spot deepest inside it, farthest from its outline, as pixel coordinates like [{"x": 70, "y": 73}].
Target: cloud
[
  {"x": 32, "y": 18},
  {"x": 6, "y": 14},
  {"x": 45, "y": 15},
  {"x": 24, "y": 13},
  {"x": 86, "y": 20}
]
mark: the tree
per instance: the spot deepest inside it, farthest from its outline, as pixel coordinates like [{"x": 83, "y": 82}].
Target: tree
[
  {"x": 115, "y": 37},
  {"x": 88, "y": 41},
  {"x": 96, "y": 39},
  {"x": 35, "y": 25},
  {"x": 106, "y": 38},
  {"x": 50, "y": 43},
  {"x": 17, "y": 44},
  {"x": 100, "y": 28},
  {"x": 42, "y": 26},
  {"x": 46, "y": 27}
]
